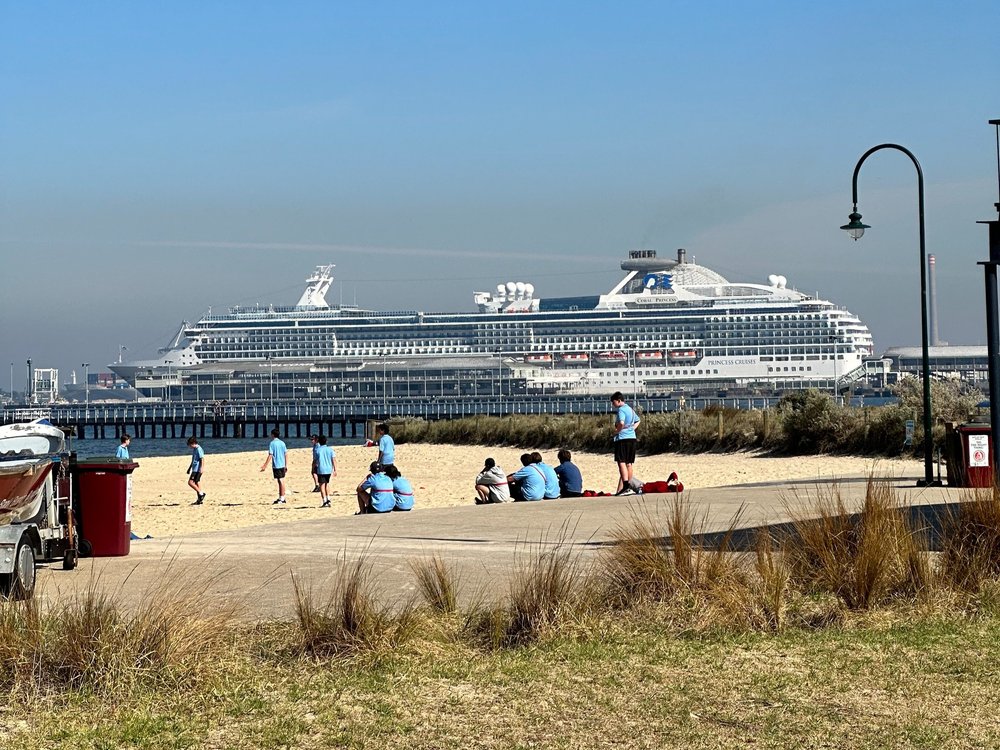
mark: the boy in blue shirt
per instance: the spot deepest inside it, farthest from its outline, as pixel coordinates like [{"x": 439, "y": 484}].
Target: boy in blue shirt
[
  {"x": 401, "y": 488},
  {"x": 195, "y": 467},
  {"x": 276, "y": 451},
  {"x": 326, "y": 466},
  {"x": 570, "y": 479},
  {"x": 122, "y": 453},
  {"x": 528, "y": 482},
  {"x": 375, "y": 494},
  {"x": 551, "y": 479},
  {"x": 386, "y": 445},
  {"x": 626, "y": 420}
]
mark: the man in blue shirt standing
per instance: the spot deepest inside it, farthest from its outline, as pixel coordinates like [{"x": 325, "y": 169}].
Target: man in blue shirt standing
[
  {"x": 626, "y": 420},
  {"x": 386, "y": 446},
  {"x": 326, "y": 466},
  {"x": 570, "y": 479},
  {"x": 528, "y": 482},
  {"x": 195, "y": 468},
  {"x": 276, "y": 457}
]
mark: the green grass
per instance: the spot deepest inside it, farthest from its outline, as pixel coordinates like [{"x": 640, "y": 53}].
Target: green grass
[{"x": 928, "y": 683}]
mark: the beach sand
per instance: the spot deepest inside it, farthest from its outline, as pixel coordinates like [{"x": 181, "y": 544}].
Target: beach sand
[{"x": 239, "y": 495}]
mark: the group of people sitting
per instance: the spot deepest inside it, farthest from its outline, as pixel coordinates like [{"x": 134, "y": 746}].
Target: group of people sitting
[
  {"x": 535, "y": 480},
  {"x": 385, "y": 489}
]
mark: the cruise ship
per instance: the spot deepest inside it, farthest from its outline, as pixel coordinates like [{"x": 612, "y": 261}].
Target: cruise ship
[{"x": 668, "y": 325}]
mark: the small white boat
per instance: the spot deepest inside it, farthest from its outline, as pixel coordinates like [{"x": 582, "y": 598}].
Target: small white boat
[{"x": 27, "y": 453}]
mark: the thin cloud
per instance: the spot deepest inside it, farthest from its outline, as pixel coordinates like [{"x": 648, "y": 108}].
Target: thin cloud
[{"x": 376, "y": 250}]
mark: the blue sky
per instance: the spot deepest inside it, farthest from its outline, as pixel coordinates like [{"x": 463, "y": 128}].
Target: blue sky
[{"x": 155, "y": 161}]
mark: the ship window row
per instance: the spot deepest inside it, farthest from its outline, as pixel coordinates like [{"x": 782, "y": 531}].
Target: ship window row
[{"x": 791, "y": 369}]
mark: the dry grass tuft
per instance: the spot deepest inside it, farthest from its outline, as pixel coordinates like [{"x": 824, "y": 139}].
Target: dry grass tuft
[
  {"x": 862, "y": 559},
  {"x": 350, "y": 620},
  {"x": 544, "y": 592},
  {"x": 970, "y": 541},
  {"x": 438, "y": 583},
  {"x": 100, "y": 643}
]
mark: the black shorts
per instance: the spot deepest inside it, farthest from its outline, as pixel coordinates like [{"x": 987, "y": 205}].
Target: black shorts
[
  {"x": 279, "y": 473},
  {"x": 324, "y": 478},
  {"x": 196, "y": 476},
  {"x": 625, "y": 451}
]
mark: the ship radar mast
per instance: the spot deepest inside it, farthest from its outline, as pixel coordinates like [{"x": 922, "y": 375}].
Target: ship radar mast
[{"x": 318, "y": 284}]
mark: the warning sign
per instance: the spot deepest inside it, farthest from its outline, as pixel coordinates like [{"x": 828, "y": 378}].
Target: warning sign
[{"x": 979, "y": 447}]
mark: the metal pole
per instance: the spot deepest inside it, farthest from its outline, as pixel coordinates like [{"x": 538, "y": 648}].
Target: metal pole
[
  {"x": 925, "y": 359},
  {"x": 993, "y": 325},
  {"x": 86, "y": 383}
]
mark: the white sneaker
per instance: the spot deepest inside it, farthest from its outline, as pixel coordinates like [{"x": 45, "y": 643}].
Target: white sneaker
[{"x": 279, "y": 501}]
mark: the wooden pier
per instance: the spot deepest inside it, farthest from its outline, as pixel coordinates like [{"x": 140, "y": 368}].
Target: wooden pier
[{"x": 348, "y": 419}]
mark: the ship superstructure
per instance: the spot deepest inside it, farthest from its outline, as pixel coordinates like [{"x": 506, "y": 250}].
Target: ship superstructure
[{"x": 668, "y": 324}]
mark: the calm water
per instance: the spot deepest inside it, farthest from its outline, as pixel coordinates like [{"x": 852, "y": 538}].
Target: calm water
[{"x": 140, "y": 449}]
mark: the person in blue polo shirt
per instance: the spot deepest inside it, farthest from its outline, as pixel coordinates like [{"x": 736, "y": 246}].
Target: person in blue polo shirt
[
  {"x": 626, "y": 420},
  {"x": 528, "y": 482},
  {"x": 551, "y": 478},
  {"x": 401, "y": 488},
  {"x": 386, "y": 445},
  {"x": 122, "y": 453},
  {"x": 375, "y": 494},
  {"x": 570, "y": 479},
  {"x": 276, "y": 451},
  {"x": 194, "y": 469},
  {"x": 326, "y": 466}
]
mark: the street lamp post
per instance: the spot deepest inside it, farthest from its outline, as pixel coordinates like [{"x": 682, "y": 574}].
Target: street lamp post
[
  {"x": 993, "y": 324},
  {"x": 86, "y": 383},
  {"x": 856, "y": 230}
]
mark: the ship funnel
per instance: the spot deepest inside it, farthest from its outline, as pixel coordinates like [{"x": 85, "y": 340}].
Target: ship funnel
[{"x": 681, "y": 255}]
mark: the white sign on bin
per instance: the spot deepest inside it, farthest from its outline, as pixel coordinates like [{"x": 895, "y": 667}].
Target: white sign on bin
[
  {"x": 979, "y": 450},
  {"x": 128, "y": 498}
]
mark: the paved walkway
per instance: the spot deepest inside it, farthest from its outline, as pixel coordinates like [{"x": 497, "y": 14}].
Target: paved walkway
[{"x": 251, "y": 569}]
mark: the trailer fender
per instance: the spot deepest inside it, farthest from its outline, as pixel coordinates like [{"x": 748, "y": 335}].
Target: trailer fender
[{"x": 10, "y": 536}]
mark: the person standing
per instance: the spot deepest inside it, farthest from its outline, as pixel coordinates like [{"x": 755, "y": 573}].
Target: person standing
[
  {"x": 122, "y": 453},
  {"x": 386, "y": 445},
  {"x": 626, "y": 420},
  {"x": 315, "y": 473},
  {"x": 570, "y": 479},
  {"x": 195, "y": 468},
  {"x": 326, "y": 466},
  {"x": 276, "y": 451}
]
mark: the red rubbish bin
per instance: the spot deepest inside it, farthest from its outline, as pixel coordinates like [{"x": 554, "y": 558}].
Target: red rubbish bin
[
  {"x": 104, "y": 501},
  {"x": 977, "y": 455}
]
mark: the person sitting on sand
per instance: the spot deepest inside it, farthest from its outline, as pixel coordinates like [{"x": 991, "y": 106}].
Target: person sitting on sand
[
  {"x": 528, "y": 482},
  {"x": 402, "y": 490},
  {"x": 551, "y": 479},
  {"x": 570, "y": 478},
  {"x": 491, "y": 484},
  {"x": 375, "y": 494}
]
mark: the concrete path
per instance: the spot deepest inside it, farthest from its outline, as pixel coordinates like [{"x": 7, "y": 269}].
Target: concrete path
[{"x": 251, "y": 569}]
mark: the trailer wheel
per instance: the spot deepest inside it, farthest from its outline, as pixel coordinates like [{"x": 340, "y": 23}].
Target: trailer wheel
[
  {"x": 70, "y": 559},
  {"x": 21, "y": 583},
  {"x": 86, "y": 548}
]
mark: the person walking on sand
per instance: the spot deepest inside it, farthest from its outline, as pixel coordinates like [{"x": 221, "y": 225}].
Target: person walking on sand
[
  {"x": 122, "y": 453},
  {"x": 276, "y": 451},
  {"x": 326, "y": 466},
  {"x": 626, "y": 420},
  {"x": 315, "y": 462},
  {"x": 195, "y": 469}
]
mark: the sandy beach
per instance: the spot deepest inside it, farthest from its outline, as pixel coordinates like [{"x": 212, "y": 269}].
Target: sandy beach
[{"x": 239, "y": 495}]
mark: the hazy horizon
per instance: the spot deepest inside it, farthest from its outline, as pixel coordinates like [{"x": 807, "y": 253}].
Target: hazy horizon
[{"x": 160, "y": 161}]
